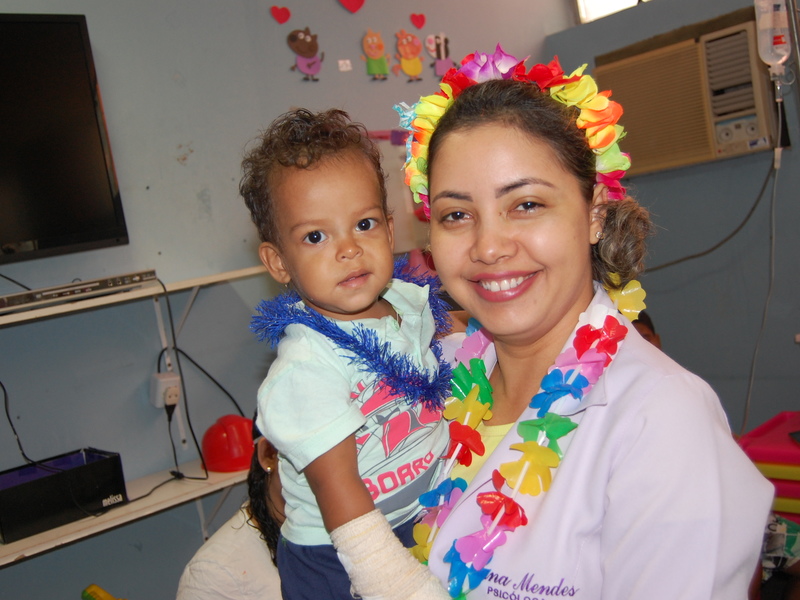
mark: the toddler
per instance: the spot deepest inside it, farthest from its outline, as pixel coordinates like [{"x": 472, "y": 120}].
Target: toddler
[{"x": 353, "y": 400}]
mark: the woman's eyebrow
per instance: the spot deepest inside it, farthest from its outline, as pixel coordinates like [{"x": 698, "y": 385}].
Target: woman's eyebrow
[
  {"x": 500, "y": 191},
  {"x": 452, "y": 194},
  {"x": 522, "y": 183}
]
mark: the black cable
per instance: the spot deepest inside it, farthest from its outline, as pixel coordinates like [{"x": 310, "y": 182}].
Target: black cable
[
  {"x": 171, "y": 440},
  {"x": 202, "y": 370},
  {"x": 727, "y": 238},
  {"x": 15, "y": 282},
  {"x": 173, "y": 478},
  {"x": 14, "y": 429},
  {"x": 183, "y": 381}
]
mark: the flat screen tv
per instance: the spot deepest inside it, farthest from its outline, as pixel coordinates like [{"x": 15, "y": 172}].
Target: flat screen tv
[{"x": 58, "y": 187}]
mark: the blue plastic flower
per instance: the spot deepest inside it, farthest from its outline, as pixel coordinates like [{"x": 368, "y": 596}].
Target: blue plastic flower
[{"x": 556, "y": 385}]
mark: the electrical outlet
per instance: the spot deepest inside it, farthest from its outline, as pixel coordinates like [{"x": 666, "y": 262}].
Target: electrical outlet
[{"x": 165, "y": 388}]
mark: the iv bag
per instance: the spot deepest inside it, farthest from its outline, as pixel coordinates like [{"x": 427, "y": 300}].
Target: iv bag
[{"x": 772, "y": 22}]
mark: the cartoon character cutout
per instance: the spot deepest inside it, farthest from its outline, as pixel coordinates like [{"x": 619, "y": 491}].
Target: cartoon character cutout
[
  {"x": 438, "y": 46},
  {"x": 409, "y": 48},
  {"x": 375, "y": 55},
  {"x": 305, "y": 46}
]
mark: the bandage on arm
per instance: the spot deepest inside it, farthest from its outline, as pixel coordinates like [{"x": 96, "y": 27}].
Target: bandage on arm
[{"x": 380, "y": 568}]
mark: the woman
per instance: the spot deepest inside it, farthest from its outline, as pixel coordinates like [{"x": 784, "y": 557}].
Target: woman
[
  {"x": 238, "y": 561},
  {"x": 590, "y": 465}
]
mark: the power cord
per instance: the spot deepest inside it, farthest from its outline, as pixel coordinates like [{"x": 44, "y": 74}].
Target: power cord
[
  {"x": 204, "y": 372},
  {"x": 726, "y": 239},
  {"x": 177, "y": 472},
  {"x": 14, "y": 429},
  {"x": 15, "y": 282}
]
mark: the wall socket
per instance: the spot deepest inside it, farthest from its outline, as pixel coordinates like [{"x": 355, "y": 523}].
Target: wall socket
[{"x": 165, "y": 388}]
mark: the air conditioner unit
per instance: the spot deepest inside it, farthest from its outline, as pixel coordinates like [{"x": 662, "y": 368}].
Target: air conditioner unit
[{"x": 693, "y": 100}]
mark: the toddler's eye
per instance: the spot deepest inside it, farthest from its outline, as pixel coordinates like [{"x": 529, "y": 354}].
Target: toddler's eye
[
  {"x": 366, "y": 224},
  {"x": 315, "y": 237}
]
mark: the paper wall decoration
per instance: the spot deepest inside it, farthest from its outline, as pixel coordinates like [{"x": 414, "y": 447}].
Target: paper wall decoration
[
  {"x": 280, "y": 13},
  {"x": 409, "y": 49},
  {"x": 352, "y": 5},
  {"x": 418, "y": 20},
  {"x": 304, "y": 44},
  {"x": 375, "y": 56},
  {"x": 438, "y": 46}
]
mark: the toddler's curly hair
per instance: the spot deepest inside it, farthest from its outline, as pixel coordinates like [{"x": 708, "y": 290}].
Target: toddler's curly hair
[{"x": 300, "y": 139}]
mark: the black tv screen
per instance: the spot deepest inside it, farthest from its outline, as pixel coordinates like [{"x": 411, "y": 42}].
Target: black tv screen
[{"x": 58, "y": 187}]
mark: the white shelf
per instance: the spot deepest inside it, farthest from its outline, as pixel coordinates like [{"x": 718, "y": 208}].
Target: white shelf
[
  {"x": 147, "y": 291},
  {"x": 168, "y": 495}
]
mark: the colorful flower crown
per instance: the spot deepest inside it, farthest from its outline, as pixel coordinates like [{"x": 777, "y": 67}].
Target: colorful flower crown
[{"x": 598, "y": 115}]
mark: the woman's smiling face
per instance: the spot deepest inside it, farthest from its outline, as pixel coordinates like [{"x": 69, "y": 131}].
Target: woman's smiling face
[{"x": 511, "y": 233}]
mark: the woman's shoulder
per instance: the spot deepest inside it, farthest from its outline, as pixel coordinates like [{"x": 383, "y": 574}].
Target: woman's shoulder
[{"x": 642, "y": 374}]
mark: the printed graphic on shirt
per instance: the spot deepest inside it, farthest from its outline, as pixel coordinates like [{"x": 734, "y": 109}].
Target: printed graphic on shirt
[
  {"x": 397, "y": 447},
  {"x": 530, "y": 587}
]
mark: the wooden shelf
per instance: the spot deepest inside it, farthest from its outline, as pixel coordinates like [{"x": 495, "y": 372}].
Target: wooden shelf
[
  {"x": 170, "y": 494},
  {"x": 147, "y": 291}
]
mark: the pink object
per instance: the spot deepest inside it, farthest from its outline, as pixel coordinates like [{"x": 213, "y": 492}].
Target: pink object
[
  {"x": 228, "y": 444},
  {"x": 786, "y": 488},
  {"x": 770, "y": 442}
]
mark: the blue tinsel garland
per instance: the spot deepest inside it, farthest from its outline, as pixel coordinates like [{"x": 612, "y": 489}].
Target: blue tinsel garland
[{"x": 362, "y": 347}]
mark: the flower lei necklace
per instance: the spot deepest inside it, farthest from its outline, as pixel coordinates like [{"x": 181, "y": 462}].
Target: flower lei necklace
[
  {"x": 595, "y": 343},
  {"x": 598, "y": 115}
]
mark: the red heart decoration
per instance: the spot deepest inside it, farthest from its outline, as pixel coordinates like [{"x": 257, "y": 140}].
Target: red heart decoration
[
  {"x": 418, "y": 20},
  {"x": 280, "y": 13},
  {"x": 352, "y": 5}
]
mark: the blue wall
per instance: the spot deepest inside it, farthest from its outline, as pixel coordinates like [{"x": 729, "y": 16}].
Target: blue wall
[
  {"x": 709, "y": 310},
  {"x": 186, "y": 84}
]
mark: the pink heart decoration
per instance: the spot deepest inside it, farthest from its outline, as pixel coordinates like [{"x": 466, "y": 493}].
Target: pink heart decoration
[
  {"x": 280, "y": 13},
  {"x": 352, "y": 5},
  {"x": 418, "y": 20}
]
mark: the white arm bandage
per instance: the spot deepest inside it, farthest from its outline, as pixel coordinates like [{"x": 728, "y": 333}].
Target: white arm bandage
[{"x": 380, "y": 568}]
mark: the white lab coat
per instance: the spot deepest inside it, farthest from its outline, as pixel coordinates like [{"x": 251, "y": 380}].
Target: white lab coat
[{"x": 652, "y": 501}]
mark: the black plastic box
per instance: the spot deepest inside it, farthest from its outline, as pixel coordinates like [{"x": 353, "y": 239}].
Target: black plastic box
[{"x": 50, "y": 493}]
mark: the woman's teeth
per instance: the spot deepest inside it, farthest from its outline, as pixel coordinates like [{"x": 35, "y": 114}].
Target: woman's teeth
[{"x": 501, "y": 285}]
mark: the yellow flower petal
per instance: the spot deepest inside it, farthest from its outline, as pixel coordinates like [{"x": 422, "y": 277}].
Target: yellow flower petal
[
  {"x": 470, "y": 411},
  {"x": 628, "y": 300}
]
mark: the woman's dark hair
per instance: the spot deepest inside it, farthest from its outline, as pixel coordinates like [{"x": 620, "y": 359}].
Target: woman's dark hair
[
  {"x": 525, "y": 107},
  {"x": 300, "y": 139},
  {"x": 260, "y": 509}
]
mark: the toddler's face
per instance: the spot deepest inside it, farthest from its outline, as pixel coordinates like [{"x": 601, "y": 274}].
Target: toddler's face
[{"x": 335, "y": 242}]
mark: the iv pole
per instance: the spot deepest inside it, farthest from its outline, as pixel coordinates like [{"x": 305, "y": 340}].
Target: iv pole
[{"x": 793, "y": 28}]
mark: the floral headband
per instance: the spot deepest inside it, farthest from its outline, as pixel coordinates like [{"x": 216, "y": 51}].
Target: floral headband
[{"x": 598, "y": 115}]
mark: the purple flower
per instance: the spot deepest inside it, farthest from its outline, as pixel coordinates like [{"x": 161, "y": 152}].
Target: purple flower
[{"x": 483, "y": 67}]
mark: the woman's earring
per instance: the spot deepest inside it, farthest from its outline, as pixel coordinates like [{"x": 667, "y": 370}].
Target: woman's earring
[
  {"x": 599, "y": 235},
  {"x": 268, "y": 470}
]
